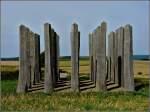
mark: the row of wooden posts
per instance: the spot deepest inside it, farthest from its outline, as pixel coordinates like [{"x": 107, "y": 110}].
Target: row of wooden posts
[
  {"x": 116, "y": 67},
  {"x": 29, "y": 69}
]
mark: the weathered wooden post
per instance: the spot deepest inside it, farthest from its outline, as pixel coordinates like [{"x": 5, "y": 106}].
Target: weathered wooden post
[
  {"x": 53, "y": 53},
  {"x": 111, "y": 53},
  {"x": 32, "y": 57},
  {"x": 48, "y": 81},
  {"x": 91, "y": 57},
  {"x": 94, "y": 36},
  {"x": 128, "y": 62},
  {"x": 75, "y": 49},
  {"x": 120, "y": 38},
  {"x": 24, "y": 66},
  {"x": 101, "y": 58},
  {"x": 109, "y": 59},
  {"x": 116, "y": 58},
  {"x": 58, "y": 54},
  {"x": 37, "y": 58}
]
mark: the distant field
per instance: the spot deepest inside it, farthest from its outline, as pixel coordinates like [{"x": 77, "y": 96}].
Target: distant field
[
  {"x": 140, "y": 67},
  {"x": 9, "y": 63}
]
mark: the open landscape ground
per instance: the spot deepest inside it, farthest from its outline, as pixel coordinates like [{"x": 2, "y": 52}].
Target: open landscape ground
[{"x": 62, "y": 101}]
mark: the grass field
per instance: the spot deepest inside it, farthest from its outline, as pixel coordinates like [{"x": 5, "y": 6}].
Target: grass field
[{"x": 59, "y": 101}]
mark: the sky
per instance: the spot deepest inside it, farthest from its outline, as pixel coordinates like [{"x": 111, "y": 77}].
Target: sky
[{"x": 62, "y": 14}]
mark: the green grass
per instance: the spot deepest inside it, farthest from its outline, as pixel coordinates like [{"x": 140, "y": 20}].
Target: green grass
[
  {"x": 8, "y": 87},
  {"x": 104, "y": 101},
  {"x": 70, "y": 101},
  {"x": 85, "y": 101}
]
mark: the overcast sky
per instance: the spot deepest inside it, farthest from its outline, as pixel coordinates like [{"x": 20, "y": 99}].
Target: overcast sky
[{"x": 88, "y": 15}]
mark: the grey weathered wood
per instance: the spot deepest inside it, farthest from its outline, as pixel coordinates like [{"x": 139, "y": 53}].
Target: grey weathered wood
[
  {"x": 53, "y": 53},
  {"x": 32, "y": 57},
  {"x": 108, "y": 77},
  {"x": 128, "y": 62},
  {"x": 58, "y": 55},
  {"x": 55, "y": 56},
  {"x": 37, "y": 58},
  {"x": 109, "y": 59},
  {"x": 94, "y": 35},
  {"x": 101, "y": 58},
  {"x": 28, "y": 61},
  {"x": 39, "y": 54},
  {"x": 24, "y": 66},
  {"x": 111, "y": 53},
  {"x": 120, "y": 48},
  {"x": 116, "y": 58},
  {"x": 48, "y": 80},
  {"x": 91, "y": 56},
  {"x": 75, "y": 49}
]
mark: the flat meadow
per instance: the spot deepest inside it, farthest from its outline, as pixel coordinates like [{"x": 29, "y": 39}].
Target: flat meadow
[{"x": 67, "y": 101}]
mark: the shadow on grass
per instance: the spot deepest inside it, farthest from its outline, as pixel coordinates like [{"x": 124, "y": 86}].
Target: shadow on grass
[
  {"x": 10, "y": 79},
  {"x": 141, "y": 86},
  {"x": 5, "y": 75},
  {"x": 113, "y": 87},
  {"x": 83, "y": 77},
  {"x": 62, "y": 71},
  {"x": 141, "y": 83}
]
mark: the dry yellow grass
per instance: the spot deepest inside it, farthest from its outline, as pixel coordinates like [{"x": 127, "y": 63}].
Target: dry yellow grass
[
  {"x": 9, "y": 63},
  {"x": 82, "y": 69},
  {"x": 9, "y": 66},
  {"x": 140, "y": 67}
]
